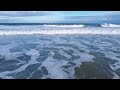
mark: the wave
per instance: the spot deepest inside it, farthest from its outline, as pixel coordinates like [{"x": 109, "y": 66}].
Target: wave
[
  {"x": 65, "y": 25},
  {"x": 27, "y": 27},
  {"x": 109, "y": 25},
  {"x": 73, "y": 31}
]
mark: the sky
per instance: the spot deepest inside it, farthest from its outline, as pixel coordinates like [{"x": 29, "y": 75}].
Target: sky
[{"x": 59, "y": 16}]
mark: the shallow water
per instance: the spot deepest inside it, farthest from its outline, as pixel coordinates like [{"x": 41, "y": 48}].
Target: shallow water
[{"x": 60, "y": 56}]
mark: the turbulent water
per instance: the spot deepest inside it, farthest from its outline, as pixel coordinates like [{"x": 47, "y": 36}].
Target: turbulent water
[{"x": 59, "y": 52}]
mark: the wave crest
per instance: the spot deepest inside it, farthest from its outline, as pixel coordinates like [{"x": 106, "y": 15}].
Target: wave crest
[
  {"x": 64, "y": 31},
  {"x": 110, "y": 25},
  {"x": 65, "y": 25}
]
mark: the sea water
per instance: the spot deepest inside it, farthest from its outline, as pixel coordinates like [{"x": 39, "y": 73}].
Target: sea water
[{"x": 59, "y": 51}]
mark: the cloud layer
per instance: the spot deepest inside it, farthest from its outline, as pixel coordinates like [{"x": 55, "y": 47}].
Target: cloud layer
[{"x": 59, "y": 16}]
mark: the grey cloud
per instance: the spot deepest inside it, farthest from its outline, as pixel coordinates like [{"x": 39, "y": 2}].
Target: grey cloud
[
  {"x": 11, "y": 21},
  {"x": 109, "y": 18},
  {"x": 24, "y": 13}
]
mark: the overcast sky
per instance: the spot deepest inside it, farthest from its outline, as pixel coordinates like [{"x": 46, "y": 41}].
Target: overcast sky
[{"x": 59, "y": 16}]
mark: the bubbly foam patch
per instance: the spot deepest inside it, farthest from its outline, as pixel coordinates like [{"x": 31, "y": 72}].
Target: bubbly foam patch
[
  {"x": 58, "y": 54},
  {"x": 110, "y": 25},
  {"x": 115, "y": 31},
  {"x": 65, "y": 25},
  {"x": 115, "y": 76}
]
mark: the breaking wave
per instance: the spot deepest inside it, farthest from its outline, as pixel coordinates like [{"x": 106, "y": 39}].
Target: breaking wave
[
  {"x": 109, "y": 25},
  {"x": 65, "y": 25},
  {"x": 62, "y": 31},
  {"x": 61, "y": 56}
]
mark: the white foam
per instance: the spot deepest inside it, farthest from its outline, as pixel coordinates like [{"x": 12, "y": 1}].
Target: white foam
[
  {"x": 84, "y": 57},
  {"x": 63, "y": 31},
  {"x": 10, "y": 56},
  {"x": 4, "y": 51},
  {"x": 115, "y": 76},
  {"x": 110, "y": 25},
  {"x": 4, "y": 75},
  {"x": 33, "y": 53},
  {"x": 65, "y": 25},
  {"x": 64, "y": 54},
  {"x": 116, "y": 66},
  {"x": 54, "y": 68}
]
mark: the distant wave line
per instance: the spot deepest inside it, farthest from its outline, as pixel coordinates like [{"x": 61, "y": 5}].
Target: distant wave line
[{"x": 52, "y": 32}]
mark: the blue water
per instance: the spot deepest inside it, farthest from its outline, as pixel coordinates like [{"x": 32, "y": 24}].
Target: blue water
[
  {"x": 69, "y": 52},
  {"x": 86, "y": 24}
]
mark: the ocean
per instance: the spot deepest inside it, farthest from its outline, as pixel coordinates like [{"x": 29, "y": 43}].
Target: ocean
[{"x": 59, "y": 51}]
